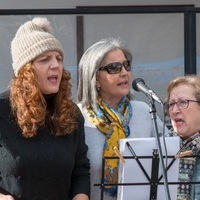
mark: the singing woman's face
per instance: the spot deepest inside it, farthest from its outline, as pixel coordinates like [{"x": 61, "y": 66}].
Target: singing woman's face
[
  {"x": 112, "y": 87},
  {"x": 185, "y": 120},
  {"x": 48, "y": 69}
]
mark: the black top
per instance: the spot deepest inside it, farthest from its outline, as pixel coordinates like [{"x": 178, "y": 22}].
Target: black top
[{"x": 44, "y": 167}]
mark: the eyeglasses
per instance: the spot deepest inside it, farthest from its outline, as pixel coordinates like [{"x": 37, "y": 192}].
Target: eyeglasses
[
  {"x": 181, "y": 104},
  {"x": 116, "y": 67}
]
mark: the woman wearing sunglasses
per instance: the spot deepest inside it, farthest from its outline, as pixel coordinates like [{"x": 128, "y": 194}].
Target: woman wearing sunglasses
[
  {"x": 183, "y": 107},
  {"x": 109, "y": 110}
]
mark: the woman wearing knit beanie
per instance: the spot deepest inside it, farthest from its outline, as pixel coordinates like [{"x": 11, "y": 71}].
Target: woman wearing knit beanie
[{"x": 43, "y": 155}]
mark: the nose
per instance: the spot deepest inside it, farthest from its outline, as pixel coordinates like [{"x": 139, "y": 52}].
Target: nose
[
  {"x": 175, "y": 109},
  {"x": 54, "y": 63}
]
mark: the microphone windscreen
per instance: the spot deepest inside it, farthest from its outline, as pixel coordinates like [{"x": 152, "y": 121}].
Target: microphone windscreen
[{"x": 135, "y": 83}]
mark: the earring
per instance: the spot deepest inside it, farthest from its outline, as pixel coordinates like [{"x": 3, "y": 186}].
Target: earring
[{"x": 98, "y": 88}]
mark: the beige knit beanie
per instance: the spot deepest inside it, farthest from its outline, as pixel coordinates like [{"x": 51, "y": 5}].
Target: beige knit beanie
[{"x": 33, "y": 38}]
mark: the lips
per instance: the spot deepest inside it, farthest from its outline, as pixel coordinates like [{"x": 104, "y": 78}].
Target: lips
[
  {"x": 178, "y": 121},
  {"x": 53, "y": 78},
  {"x": 123, "y": 83}
]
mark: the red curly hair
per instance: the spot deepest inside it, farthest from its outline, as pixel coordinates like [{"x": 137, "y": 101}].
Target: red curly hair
[{"x": 30, "y": 108}]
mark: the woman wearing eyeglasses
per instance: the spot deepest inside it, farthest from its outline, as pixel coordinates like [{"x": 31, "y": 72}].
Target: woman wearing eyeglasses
[
  {"x": 183, "y": 107},
  {"x": 108, "y": 108}
]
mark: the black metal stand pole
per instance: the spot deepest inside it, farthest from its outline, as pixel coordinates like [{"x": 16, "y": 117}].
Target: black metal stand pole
[{"x": 153, "y": 114}]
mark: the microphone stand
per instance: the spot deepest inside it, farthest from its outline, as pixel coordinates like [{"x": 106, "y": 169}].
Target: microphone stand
[{"x": 153, "y": 115}]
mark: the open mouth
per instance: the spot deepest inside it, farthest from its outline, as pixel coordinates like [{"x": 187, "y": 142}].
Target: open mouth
[
  {"x": 123, "y": 83},
  {"x": 53, "y": 78},
  {"x": 178, "y": 121}
]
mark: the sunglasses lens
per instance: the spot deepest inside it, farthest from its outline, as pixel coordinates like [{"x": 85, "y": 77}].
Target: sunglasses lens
[
  {"x": 127, "y": 65},
  {"x": 114, "y": 68}
]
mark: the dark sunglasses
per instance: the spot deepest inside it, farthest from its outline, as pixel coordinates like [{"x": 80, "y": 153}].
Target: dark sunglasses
[{"x": 116, "y": 67}]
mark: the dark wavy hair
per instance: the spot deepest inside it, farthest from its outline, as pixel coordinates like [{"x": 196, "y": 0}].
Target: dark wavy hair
[{"x": 30, "y": 108}]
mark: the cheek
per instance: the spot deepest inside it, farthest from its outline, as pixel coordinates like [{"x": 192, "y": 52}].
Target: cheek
[
  {"x": 107, "y": 80},
  {"x": 194, "y": 117},
  {"x": 38, "y": 78},
  {"x": 129, "y": 75},
  {"x": 39, "y": 74}
]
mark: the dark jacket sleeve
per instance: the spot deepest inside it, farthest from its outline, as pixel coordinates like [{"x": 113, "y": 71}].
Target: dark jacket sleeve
[{"x": 81, "y": 175}]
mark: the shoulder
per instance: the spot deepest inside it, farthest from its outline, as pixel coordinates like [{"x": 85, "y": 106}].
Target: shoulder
[
  {"x": 4, "y": 101},
  {"x": 82, "y": 109},
  {"x": 85, "y": 115},
  {"x": 5, "y": 109},
  {"x": 80, "y": 106},
  {"x": 139, "y": 105},
  {"x": 77, "y": 111},
  {"x": 140, "y": 111},
  {"x": 4, "y": 95}
]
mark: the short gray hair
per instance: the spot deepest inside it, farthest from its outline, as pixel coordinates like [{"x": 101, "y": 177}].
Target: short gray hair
[{"x": 89, "y": 65}]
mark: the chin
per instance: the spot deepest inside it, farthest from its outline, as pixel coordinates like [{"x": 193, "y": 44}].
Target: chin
[
  {"x": 182, "y": 134},
  {"x": 124, "y": 94},
  {"x": 52, "y": 91}
]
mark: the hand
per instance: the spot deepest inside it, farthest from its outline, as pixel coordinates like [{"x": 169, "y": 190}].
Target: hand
[{"x": 6, "y": 197}]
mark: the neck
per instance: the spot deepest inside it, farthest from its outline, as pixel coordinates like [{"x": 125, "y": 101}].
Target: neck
[
  {"x": 49, "y": 96},
  {"x": 114, "y": 103}
]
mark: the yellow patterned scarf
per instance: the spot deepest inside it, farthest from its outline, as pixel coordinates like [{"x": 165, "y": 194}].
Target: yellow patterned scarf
[{"x": 113, "y": 123}]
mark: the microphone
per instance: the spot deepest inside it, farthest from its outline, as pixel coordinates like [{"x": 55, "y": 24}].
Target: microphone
[{"x": 140, "y": 86}]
